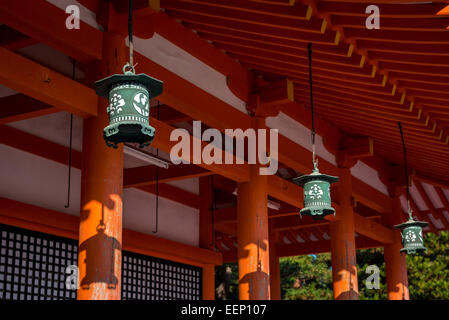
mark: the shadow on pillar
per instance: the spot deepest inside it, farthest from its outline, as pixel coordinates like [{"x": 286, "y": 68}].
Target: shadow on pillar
[
  {"x": 100, "y": 255},
  {"x": 258, "y": 281},
  {"x": 258, "y": 284},
  {"x": 100, "y": 259},
  {"x": 352, "y": 293}
]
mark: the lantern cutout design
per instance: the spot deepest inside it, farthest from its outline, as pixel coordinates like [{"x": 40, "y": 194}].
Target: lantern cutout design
[
  {"x": 317, "y": 197},
  {"x": 412, "y": 237},
  {"x": 129, "y": 107}
]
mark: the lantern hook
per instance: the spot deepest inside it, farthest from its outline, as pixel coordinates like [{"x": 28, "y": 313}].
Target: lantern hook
[{"x": 131, "y": 68}]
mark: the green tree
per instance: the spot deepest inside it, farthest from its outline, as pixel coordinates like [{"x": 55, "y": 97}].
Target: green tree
[
  {"x": 366, "y": 258},
  {"x": 227, "y": 282},
  {"x": 306, "y": 277},
  {"x": 428, "y": 273}
]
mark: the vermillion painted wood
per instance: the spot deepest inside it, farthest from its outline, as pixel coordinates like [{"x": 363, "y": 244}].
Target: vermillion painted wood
[
  {"x": 100, "y": 236},
  {"x": 344, "y": 267},
  {"x": 252, "y": 235}
]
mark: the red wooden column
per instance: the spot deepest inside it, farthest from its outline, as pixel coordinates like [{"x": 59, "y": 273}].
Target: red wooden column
[
  {"x": 395, "y": 262},
  {"x": 206, "y": 235},
  {"x": 344, "y": 270},
  {"x": 252, "y": 234},
  {"x": 275, "y": 277},
  {"x": 100, "y": 233}
]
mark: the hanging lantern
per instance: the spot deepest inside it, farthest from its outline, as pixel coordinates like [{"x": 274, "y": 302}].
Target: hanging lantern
[
  {"x": 412, "y": 237},
  {"x": 129, "y": 107},
  {"x": 317, "y": 196},
  {"x": 129, "y": 100}
]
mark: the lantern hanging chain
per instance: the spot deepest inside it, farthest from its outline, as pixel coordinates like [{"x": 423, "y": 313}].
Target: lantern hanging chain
[
  {"x": 406, "y": 170},
  {"x": 314, "y": 160},
  {"x": 213, "y": 212},
  {"x": 70, "y": 144},
  {"x": 130, "y": 64},
  {"x": 157, "y": 180}
]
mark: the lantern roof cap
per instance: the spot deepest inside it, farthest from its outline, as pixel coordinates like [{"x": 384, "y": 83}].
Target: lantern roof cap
[
  {"x": 412, "y": 223},
  {"x": 315, "y": 175},
  {"x": 154, "y": 86}
]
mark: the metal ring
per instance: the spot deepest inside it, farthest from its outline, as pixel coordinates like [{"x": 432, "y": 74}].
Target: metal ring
[{"x": 131, "y": 68}]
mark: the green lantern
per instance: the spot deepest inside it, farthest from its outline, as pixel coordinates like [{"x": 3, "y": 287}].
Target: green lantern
[
  {"x": 317, "y": 196},
  {"x": 129, "y": 107},
  {"x": 412, "y": 236}
]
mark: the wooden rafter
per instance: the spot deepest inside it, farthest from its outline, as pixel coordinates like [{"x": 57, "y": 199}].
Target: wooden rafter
[{"x": 46, "y": 85}]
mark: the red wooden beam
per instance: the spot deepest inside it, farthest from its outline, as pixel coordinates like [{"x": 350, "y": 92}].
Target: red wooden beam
[
  {"x": 235, "y": 14},
  {"x": 146, "y": 175},
  {"x": 14, "y": 40},
  {"x": 45, "y": 22},
  {"x": 322, "y": 246},
  {"x": 175, "y": 194},
  {"x": 271, "y": 8},
  {"x": 20, "y": 107},
  {"x": 64, "y": 225},
  {"x": 429, "y": 203},
  {"x": 46, "y": 85},
  {"x": 21, "y": 140},
  {"x": 372, "y": 230},
  {"x": 388, "y": 10}
]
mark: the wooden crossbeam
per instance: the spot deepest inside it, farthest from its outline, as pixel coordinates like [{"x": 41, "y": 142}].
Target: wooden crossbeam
[
  {"x": 14, "y": 40},
  {"x": 387, "y": 9},
  {"x": 285, "y": 191},
  {"x": 429, "y": 203},
  {"x": 21, "y": 140},
  {"x": 373, "y": 230},
  {"x": 270, "y": 97},
  {"x": 20, "y": 107},
  {"x": 358, "y": 147},
  {"x": 236, "y": 14},
  {"x": 146, "y": 175},
  {"x": 169, "y": 115},
  {"x": 174, "y": 193},
  {"x": 46, "y": 85},
  {"x": 442, "y": 198},
  {"x": 56, "y": 223},
  {"x": 321, "y": 246},
  {"x": 162, "y": 141},
  {"x": 45, "y": 23}
]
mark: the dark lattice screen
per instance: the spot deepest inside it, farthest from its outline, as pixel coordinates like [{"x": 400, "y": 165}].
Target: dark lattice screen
[
  {"x": 149, "y": 278},
  {"x": 33, "y": 265}
]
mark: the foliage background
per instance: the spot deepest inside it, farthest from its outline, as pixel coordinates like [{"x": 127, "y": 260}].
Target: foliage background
[{"x": 310, "y": 277}]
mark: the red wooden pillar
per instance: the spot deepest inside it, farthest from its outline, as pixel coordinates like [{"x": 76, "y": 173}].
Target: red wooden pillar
[
  {"x": 209, "y": 282},
  {"x": 252, "y": 234},
  {"x": 275, "y": 277},
  {"x": 395, "y": 262},
  {"x": 344, "y": 268},
  {"x": 100, "y": 233},
  {"x": 206, "y": 235}
]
